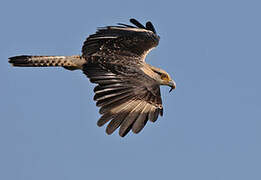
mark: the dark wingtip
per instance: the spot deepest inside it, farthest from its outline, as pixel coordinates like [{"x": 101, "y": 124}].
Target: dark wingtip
[
  {"x": 124, "y": 133},
  {"x": 137, "y": 23},
  {"x": 150, "y": 26}
]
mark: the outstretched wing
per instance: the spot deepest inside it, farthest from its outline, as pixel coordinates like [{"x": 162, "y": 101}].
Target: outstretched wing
[
  {"x": 124, "y": 40},
  {"x": 125, "y": 101}
]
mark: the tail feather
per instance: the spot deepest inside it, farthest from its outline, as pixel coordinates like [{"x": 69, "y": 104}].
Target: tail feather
[{"x": 68, "y": 62}]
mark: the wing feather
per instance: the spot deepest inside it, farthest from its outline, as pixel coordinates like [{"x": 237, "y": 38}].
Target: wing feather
[
  {"x": 154, "y": 113},
  {"x": 114, "y": 100},
  {"x": 105, "y": 118},
  {"x": 114, "y": 93},
  {"x": 137, "y": 23},
  {"x": 130, "y": 119},
  {"x": 110, "y": 91},
  {"x": 125, "y": 40},
  {"x": 116, "y": 122},
  {"x": 122, "y": 112},
  {"x": 141, "y": 120},
  {"x": 109, "y": 87},
  {"x": 150, "y": 26},
  {"x": 110, "y": 105},
  {"x": 126, "y": 105}
]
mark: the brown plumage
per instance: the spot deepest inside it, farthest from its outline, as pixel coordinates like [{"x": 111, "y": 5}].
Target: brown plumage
[{"x": 128, "y": 89}]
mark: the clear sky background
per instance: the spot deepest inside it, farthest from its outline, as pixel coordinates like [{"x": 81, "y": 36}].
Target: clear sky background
[{"x": 211, "y": 124}]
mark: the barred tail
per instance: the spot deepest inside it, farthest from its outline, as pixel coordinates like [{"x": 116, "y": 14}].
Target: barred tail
[{"x": 68, "y": 62}]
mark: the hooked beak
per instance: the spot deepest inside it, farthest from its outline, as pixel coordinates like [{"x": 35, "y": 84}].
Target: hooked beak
[{"x": 172, "y": 85}]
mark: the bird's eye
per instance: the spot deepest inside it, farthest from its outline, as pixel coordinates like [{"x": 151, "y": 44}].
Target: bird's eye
[{"x": 164, "y": 77}]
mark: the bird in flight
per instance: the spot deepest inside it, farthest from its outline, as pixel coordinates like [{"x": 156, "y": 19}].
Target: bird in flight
[{"x": 128, "y": 89}]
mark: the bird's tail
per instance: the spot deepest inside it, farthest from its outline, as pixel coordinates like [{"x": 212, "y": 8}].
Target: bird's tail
[{"x": 68, "y": 62}]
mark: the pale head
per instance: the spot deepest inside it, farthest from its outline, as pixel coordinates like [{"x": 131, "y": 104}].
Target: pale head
[{"x": 163, "y": 77}]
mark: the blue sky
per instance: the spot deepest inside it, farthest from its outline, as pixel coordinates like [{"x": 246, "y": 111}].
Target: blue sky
[{"x": 211, "y": 123}]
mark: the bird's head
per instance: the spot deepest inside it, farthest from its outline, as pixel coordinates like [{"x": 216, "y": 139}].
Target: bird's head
[{"x": 163, "y": 78}]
